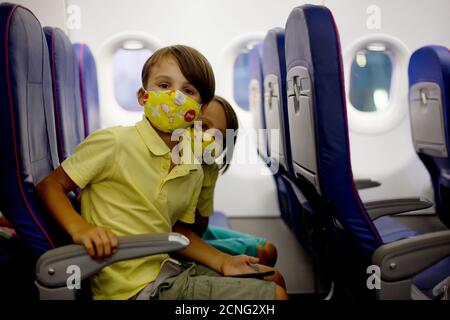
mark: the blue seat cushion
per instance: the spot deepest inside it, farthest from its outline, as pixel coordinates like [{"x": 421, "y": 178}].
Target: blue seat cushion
[
  {"x": 392, "y": 230},
  {"x": 429, "y": 278},
  {"x": 219, "y": 219}
]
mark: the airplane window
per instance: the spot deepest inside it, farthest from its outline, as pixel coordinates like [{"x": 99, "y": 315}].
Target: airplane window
[
  {"x": 241, "y": 80},
  {"x": 127, "y": 67},
  {"x": 370, "y": 79}
]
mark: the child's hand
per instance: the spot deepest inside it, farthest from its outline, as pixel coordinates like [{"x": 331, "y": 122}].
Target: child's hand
[
  {"x": 235, "y": 265},
  {"x": 100, "y": 242}
]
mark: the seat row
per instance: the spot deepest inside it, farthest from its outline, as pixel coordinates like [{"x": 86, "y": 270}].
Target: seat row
[
  {"x": 297, "y": 75},
  {"x": 48, "y": 104}
]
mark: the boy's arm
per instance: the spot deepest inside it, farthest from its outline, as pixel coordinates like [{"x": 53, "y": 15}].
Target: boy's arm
[
  {"x": 99, "y": 242},
  {"x": 200, "y": 224},
  {"x": 201, "y": 252}
]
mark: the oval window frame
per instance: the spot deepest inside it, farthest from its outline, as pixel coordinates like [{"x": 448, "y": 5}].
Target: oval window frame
[
  {"x": 238, "y": 56},
  {"x": 134, "y": 107},
  {"x": 111, "y": 113},
  {"x": 226, "y": 71},
  {"x": 378, "y": 122}
]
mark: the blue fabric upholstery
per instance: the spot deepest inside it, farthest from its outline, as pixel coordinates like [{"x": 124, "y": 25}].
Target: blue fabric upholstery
[
  {"x": 312, "y": 41},
  {"x": 28, "y": 149},
  {"x": 88, "y": 87},
  {"x": 429, "y": 278},
  {"x": 256, "y": 74},
  {"x": 219, "y": 219},
  {"x": 391, "y": 230},
  {"x": 66, "y": 94},
  {"x": 432, "y": 64},
  {"x": 293, "y": 212}
]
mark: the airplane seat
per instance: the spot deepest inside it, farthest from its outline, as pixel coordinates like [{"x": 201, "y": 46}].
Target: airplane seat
[
  {"x": 429, "y": 100},
  {"x": 256, "y": 98},
  {"x": 88, "y": 87},
  {"x": 69, "y": 120},
  {"x": 28, "y": 142},
  {"x": 274, "y": 72},
  {"x": 25, "y": 97},
  {"x": 28, "y": 153},
  {"x": 406, "y": 258},
  {"x": 66, "y": 95},
  {"x": 275, "y": 118}
]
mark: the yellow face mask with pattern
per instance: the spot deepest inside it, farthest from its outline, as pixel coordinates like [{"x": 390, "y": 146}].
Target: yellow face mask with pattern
[{"x": 168, "y": 110}]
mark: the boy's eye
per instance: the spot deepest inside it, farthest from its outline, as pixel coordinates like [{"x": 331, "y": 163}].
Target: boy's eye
[
  {"x": 164, "y": 85},
  {"x": 189, "y": 91}
]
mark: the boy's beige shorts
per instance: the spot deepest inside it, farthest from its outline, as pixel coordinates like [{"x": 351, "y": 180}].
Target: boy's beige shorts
[{"x": 197, "y": 282}]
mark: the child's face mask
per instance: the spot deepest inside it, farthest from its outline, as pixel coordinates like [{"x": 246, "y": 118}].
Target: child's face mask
[{"x": 169, "y": 110}]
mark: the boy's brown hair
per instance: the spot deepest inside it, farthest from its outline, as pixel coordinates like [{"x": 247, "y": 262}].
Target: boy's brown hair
[{"x": 194, "y": 66}]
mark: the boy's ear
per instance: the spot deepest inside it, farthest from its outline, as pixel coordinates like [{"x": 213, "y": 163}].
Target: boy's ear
[{"x": 140, "y": 96}]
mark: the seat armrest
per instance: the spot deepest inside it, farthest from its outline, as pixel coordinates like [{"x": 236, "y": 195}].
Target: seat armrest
[
  {"x": 377, "y": 209},
  {"x": 405, "y": 258},
  {"x": 52, "y": 266},
  {"x": 366, "y": 184}
]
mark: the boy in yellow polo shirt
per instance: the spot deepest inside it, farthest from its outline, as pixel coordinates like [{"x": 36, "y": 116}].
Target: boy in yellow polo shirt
[{"x": 130, "y": 185}]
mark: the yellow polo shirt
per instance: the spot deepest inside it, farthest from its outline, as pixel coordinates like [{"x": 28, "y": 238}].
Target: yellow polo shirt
[
  {"x": 205, "y": 204},
  {"x": 126, "y": 185}
]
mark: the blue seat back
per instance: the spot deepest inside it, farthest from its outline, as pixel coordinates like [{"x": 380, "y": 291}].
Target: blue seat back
[
  {"x": 66, "y": 94},
  {"x": 28, "y": 149},
  {"x": 429, "y": 100},
  {"x": 275, "y": 104},
  {"x": 256, "y": 98},
  {"x": 318, "y": 124},
  {"x": 87, "y": 70}
]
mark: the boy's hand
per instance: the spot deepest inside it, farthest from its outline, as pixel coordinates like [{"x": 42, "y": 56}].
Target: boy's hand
[
  {"x": 234, "y": 265},
  {"x": 100, "y": 242}
]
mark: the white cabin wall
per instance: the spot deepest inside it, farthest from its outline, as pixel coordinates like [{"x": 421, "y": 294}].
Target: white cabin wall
[
  {"x": 416, "y": 23},
  {"x": 390, "y": 157},
  {"x": 49, "y": 12},
  {"x": 204, "y": 24}
]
